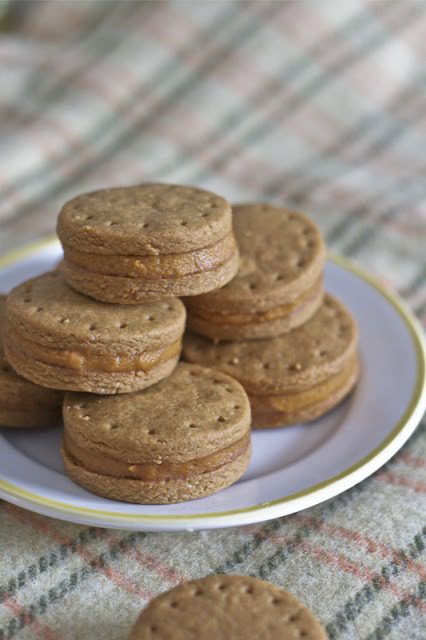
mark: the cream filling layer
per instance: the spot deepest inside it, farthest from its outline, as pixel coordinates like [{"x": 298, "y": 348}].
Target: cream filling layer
[
  {"x": 85, "y": 360},
  {"x": 152, "y": 471},
  {"x": 160, "y": 266},
  {"x": 296, "y": 401},
  {"x": 281, "y": 311}
]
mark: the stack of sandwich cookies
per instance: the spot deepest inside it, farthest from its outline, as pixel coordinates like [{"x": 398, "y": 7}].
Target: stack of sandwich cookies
[
  {"x": 107, "y": 322},
  {"x": 279, "y": 284},
  {"x": 184, "y": 438},
  {"x": 294, "y": 377},
  {"x": 127, "y": 245},
  {"x": 60, "y": 339},
  {"x": 22, "y": 403}
]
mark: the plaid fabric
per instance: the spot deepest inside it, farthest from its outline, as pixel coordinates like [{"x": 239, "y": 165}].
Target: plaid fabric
[{"x": 319, "y": 105}]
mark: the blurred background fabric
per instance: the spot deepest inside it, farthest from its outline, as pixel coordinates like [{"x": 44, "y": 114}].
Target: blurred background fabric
[{"x": 319, "y": 106}]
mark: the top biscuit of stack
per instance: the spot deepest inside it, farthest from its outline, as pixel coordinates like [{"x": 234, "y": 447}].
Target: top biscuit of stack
[{"x": 131, "y": 244}]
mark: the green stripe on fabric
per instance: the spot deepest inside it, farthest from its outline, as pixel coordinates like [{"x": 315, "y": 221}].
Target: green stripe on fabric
[
  {"x": 224, "y": 24},
  {"x": 288, "y": 72},
  {"x": 249, "y": 547},
  {"x": 67, "y": 585},
  {"x": 298, "y": 181},
  {"x": 366, "y": 236},
  {"x": 58, "y": 85},
  {"x": 280, "y": 555},
  {"x": 348, "y": 613},
  {"x": 417, "y": 280},
  {"x": 397, "y": 191},
  {"x": 317, "y": 84},
  {"x": 400, "y": 610},
  {"x": 359, "y": 21},
  {"x": 260, "y": 538},
  {"x": 52, "y": 560}
]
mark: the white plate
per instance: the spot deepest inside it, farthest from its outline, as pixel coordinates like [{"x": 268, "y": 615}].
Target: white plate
[{"x": 291, "y": 468}]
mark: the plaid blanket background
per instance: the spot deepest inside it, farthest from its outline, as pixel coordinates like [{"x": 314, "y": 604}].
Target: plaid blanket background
[{"x": 319, "y": 105}]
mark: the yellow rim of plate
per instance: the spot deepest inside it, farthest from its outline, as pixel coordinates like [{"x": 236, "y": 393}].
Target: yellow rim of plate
[{"x": 420, "y": 348}]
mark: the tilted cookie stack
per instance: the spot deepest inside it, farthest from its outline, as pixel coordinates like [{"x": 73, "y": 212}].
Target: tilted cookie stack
[
  {"x": 106, "y": 327},
  {"x": 292, "y": 348}
]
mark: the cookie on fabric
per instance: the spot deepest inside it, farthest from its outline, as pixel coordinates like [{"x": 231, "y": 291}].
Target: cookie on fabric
[
  {"x": 295, "y": 377},
  {"x": 61, "y": 339},
  {"x": 231, "y": 607},
  {"x": 22, "y": 403},
  {"x": 184, "y": 438},
  {"x": 129, "y": 244},
  {"x": 279, "y": 284}
]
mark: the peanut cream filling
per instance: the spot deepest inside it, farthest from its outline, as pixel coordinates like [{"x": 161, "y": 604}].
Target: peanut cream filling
[
  {"x": 84, "y": 359},
  {"x": 161, "y": 266},
  {"x": 152, "y": 471},
  {"x": 291, "y": 402},
  {"x": 281, "y": 311}
]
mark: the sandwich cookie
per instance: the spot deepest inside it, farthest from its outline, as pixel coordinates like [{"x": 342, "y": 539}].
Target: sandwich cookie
[
  {"x": 129, "y": 244},
  {"x": 279, "y": 284},
  {"x": 60, "y": 339},
  {"x": 22, "y": 403},
  {"x": 231, "y": 607},
  {"x": 295, "y": 377},
  {"x": 184, "y": 438}
]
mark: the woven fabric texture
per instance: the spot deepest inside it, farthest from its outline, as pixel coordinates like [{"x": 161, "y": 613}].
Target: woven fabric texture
[{"x": 316, "y": 105}]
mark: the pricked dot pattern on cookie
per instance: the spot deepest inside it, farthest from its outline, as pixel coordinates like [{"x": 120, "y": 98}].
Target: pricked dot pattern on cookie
[{"x": 245, "y": 601}]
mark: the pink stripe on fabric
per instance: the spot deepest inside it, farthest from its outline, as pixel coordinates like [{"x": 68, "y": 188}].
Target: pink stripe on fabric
[
  {"x": 117, "y": 578},
  {"x": 148, "y": 561},
  {"x": 400, "y": 481},
  {"x": 343, "y": 563},
  {"x": 363, "y": 541}
]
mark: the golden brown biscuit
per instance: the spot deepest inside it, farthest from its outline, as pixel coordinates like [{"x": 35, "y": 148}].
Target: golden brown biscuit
[
  {"x": 60, "y": 339},
  {"x": 184, "y": 438},
  {"x": 130, "y": 244},
  {"x": 227, "y": 607},
  {"x": 279, "y": 284},
  {"x": 295, "y": 377},
  {"x": 22, "y": 403}
]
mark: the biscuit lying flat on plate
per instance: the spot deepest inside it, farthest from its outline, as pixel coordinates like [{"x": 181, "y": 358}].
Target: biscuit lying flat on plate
[
  {"x": 127, "y": 244},
  {"x": 227, "y": 607},
  {"x": 279, "y": 284},
  {"x": 22, "y": 403},
  {"x": 295, "y": 377},
  {"x": 60, "y": 339},
  {"x": 184, "y": 438}
]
